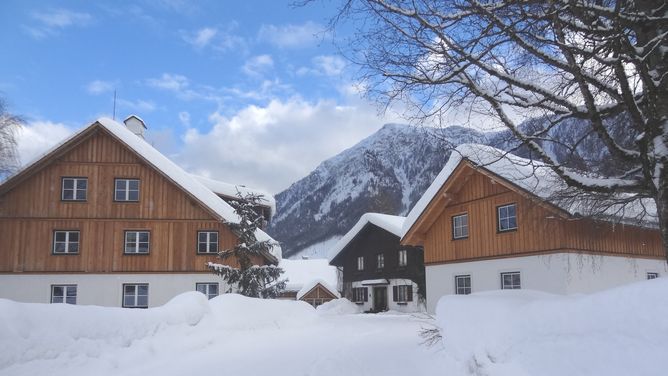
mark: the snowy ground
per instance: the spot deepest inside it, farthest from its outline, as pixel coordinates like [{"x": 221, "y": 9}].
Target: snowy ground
[
  {"x": 232, "y": 334},
  {"x": 622, "y": 331}
]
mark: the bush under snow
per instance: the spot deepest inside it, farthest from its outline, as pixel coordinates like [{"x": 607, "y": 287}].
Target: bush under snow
[
  {"x": 622, "y": 331},
  {"x": 340, "y": 306}
]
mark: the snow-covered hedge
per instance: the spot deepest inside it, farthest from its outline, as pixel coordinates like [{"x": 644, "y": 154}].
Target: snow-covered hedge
[{"x": 623, "y": 331}]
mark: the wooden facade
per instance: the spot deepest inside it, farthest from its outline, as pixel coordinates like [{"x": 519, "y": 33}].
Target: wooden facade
[
  {"x": 31, "y": 210},
  {"x": 318, "y": 295},
  {"x": 541, "y": 227},
  {"x": 369, "y": 243}
]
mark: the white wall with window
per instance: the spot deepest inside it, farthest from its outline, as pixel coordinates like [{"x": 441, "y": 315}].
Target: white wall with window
[
  {"x": 64, "y": 294},
  {"x": 401, "y": 304},
  {"x": 209, "y": 289},
  {"x": 100, "y": 289},
  {"x": 558, "y": 273}
]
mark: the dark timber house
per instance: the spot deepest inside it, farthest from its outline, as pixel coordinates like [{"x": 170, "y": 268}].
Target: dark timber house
[{"x": 377, "y": 272}]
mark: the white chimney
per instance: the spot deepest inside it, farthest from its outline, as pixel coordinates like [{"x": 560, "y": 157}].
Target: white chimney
[{"x": 136, "y": 125}]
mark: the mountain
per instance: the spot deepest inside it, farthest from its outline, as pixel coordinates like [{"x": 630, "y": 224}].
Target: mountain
[{"x": 386, "y": 172}]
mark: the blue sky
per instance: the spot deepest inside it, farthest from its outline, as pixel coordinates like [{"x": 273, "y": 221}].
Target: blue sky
[{"x": 249, "y": 92}]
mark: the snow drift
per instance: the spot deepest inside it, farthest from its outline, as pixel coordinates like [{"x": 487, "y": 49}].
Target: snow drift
[{"x": 622, "y": 331}]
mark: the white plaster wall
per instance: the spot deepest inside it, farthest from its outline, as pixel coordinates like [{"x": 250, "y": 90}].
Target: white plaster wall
[
  {"x": 413, "y": 306},
  {"x": 560, "y": 273},
  {"x": 101, "y": 289}
]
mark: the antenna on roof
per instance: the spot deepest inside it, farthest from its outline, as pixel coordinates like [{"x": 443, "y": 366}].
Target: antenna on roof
[{"x": 114, "y": 115}]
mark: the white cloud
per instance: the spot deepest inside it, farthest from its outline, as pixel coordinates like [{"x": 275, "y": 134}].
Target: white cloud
[
  {"x": 290, "y": 35},
  {"x": 168, "y": 81},
  {"x": 184, "y": 118},
  {"x": 51, "y": 22},
  {"x": 37, "y": 137},
  {"x": 272, "y": 146},
  {"x": 139, "y": 105},
  {"x": 324, "y": 65},
  {"x": 257, "y": 65},
  {"x": 99, "y": 87},
  {"x": 202, "y": 37}
]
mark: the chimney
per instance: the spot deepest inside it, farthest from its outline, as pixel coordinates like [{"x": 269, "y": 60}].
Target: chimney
[{"x": 136, "y": 125}]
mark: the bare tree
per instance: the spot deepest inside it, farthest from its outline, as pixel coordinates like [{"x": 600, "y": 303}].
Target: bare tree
[
  {"x": 9, "y": 125},
  {"x": 588, "y": 64}
]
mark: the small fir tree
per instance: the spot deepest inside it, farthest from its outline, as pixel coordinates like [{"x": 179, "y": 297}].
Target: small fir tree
[{"x": 258, "y": 281}]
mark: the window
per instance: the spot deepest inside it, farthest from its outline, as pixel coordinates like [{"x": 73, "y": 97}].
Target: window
[
  {"x": 64, "y": 294},
  {"x": 360, "y": 263},
  {"x": 65, "y": 242},
  {"x": 402, "y": 293},
  {"x": 208, "y": 289},
  {"x": 462, "y": 284},
  {"x": 652, "y": 275},
  {"x": 135, "y": 295},
  {"x": 403, "y": 257},
  {"x": 507, "y": 217},
  {"x": 511, "y": 281},
  {"x": 74, "y": 189},
  {"x": 137, "y": 242},
  {"x": 460, "y": 226},
  {"x": 207, "y": 242},
  {"x": 126, "y": 190},
  {"x": 380, "y": 261},
  {"x": 360, "y": 294}
]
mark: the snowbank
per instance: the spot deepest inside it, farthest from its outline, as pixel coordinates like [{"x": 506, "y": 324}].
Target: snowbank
[
  {"x": 341, "y": 306},
  {"x": 43, "y": 331},
  {"x": 623, "y": 331},
  {"x": 237, "y": 312}
]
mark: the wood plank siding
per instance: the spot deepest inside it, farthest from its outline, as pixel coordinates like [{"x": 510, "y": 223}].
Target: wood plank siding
[
  {"x": 31, "y": 209},
  {"x": 541, "y": 228}
]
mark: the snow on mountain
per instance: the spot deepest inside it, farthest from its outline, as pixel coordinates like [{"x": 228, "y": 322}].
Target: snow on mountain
[{"x": 386, "y": 173}]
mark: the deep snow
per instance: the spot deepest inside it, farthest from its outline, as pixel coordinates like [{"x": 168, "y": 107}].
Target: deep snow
[{"x": 622, "y": 331}]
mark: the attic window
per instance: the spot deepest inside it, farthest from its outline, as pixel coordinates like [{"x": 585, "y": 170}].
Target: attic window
[
  {"x": 507, "y": 217},
  {"x": 126, "y": 190},
  {"x": 460, "y": 226},
  {"x": 74, "y": 189},
  {"x": 360, "y": 263}
]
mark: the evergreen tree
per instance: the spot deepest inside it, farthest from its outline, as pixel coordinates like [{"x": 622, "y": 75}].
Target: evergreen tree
[{"x": 258, "y": 281}]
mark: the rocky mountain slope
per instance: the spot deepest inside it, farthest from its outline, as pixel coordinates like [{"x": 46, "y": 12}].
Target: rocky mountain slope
[{"x": 387, "y": 172}]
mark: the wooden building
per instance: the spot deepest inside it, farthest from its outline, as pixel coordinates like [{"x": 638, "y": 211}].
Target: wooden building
[
  {"x": 317, "y": 292},
  {"x": 106, "y": 219},
  {"x": 492, "y": 220},
  {"x": 377, "y": 272}
]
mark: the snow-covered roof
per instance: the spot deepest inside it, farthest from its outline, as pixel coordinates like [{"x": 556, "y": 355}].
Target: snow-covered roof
[
  {"x": 534, "y": 177},
  {"x": 313, "y": 283},
  {"x": 390, "y": 223},
  {"x": 175, "y": 173},
  {"x": 231, "y": 190},
  {"x": 379, "y": 281},
  {"x": 302, "y": 272}
]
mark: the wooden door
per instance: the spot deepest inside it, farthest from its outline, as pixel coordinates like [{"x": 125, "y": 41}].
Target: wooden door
[{"x": 380, "y": 299}]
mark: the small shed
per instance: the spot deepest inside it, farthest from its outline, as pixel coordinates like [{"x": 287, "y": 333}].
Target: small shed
[{"x": 317, "y": 292}]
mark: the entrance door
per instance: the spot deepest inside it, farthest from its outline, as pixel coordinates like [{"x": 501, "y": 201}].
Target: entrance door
[{"x": 380, "y": 299}]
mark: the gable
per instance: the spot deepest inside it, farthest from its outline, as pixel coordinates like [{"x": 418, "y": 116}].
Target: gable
[
  {"x": 101, "y": 158},
  {"x": 369, "y": 240}
]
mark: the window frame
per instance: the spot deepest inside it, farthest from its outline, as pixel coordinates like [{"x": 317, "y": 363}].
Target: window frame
[
  {"x": 380, "y": 261},
  {"x": 466, "y": 290},
  {"x": 404, "y": 289},
  {"x": 136, "y": 295},
  {"x": 74, "y": 188},
  {"x": 65, "y": 296},
  {"x": 513, "y": 273},
  {"x": 137, "y": 253},
  {"x": 360, "y": 263},
  {"x": 67, "y": 243},
  {"x": 360, "y": 295},
  {"x": 127, "y": 189},
  {"x": 454, "y": 226},
  {"x": 208, "y": 290},
  {"x": 208, "y": 240},
  {"x": 498, "y": 218},
  {"x": 403, "y": 261},
  {"x": 652, "y": 275}
]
